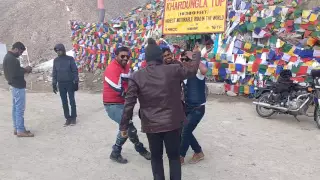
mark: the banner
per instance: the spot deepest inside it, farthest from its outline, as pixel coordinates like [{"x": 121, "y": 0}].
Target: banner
[
  {"x": 3, "y": 52},
  {"x": 194, "y": 16}
]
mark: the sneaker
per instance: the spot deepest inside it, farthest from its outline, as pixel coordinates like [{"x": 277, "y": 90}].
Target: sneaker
[
  {"x": 197, "y": 157},
  {"x": 15, "y": 132},
  {"x": 25, "y": 134},
  {"x": 73, "y": 122},
  {"x": 146, "y": 155},
  {"x": 118, "y": 158},
  {"x": 182, "y": 160},
  {"x": 68, "y": 122}
]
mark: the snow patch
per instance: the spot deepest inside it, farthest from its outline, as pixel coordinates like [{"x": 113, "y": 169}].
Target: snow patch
[{"x": 47, "y": 66}]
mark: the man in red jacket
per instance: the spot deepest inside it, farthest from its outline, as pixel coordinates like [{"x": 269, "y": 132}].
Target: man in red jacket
[{"x": 114, "y": 88}]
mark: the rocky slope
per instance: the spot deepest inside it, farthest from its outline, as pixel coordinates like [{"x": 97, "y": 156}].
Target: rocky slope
[{"x": 40, "y": 24}]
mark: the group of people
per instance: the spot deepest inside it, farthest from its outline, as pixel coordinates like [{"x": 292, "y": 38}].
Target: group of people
[
  {"x": 171, "y": 95},
  {"x": 64, "y": 74},
  {"x": 166, "y": 118}
]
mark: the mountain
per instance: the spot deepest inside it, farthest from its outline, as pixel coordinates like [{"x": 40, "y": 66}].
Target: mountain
[{"x": 40, "y": 24}]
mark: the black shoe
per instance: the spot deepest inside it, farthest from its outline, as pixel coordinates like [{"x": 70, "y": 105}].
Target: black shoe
[
  {"x": 146, "y": 154},
  {"x": 68, "y": 122},
  {"x": 118, "y": 158},
  {"x": 73, "y": 122}
]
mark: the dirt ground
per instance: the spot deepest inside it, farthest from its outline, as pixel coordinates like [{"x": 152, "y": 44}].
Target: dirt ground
[{"x": 237, "y": 143}]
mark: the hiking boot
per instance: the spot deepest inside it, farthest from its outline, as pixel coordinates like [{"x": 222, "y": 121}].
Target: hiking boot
[
  {"x": 15, "y": 132},
  {"x": 196, "y": 158},
  {"x": 25, "y": 134},
  {"x": 182, "y": 160},
  {"x": 118, "y": 158},
  {"x": 146, "y": 155},
  {"x": 73, "y": 122},
  {"x": 68, "y": 122}
]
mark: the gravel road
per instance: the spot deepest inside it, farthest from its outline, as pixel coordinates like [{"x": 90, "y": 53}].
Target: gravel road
[{"x": 237, "y": 144}]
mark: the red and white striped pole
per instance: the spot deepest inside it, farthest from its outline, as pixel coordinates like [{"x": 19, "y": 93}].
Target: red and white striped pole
[{"x": 101, "y": 10}]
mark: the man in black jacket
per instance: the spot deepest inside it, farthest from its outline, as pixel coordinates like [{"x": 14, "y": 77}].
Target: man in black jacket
[
  {"x": 14, "y": 74},
  {"x": 65, "y": 74}
]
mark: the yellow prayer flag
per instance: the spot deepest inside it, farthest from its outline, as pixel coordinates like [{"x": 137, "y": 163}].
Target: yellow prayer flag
[
  {"x": 250, "y": 82},
  {"x": 246, "y": 54},
  {"x": 246, "y": 89},
  {"x": 232, "y": 67},
  {"x": 282, "y": 24},
  {"x": 285, "y": 67},
  {"x": 281, "y": 43},
  {"x": 215, "y": 71},
  {"x": 306, "y": 13},
  {"x": 247, "y": 45},
  {"x": 309, "y": 63},
  {"x": 272, "y": 8},
  {"x": 218, "y": 56},
  {"x": 233, "y": 18},
  {"x": 291, "y": 52},
  {"x": 254, "y": 18},
  {"x": 271, "y": 70},
  {"x": 313, "y": 17},
  {"x": 259, "y": 50},
  {"x": 249, "y": 67}
]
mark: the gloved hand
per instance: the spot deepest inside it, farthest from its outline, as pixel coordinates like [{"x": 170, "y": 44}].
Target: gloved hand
[
  {"x": 28, "y": 69},
  {"x": 55, "y": 89},
  {"x": 76, "y": 86}
]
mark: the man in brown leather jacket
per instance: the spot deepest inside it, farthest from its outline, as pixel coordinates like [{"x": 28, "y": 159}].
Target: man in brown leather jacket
[{"x": 158, "y": 89}]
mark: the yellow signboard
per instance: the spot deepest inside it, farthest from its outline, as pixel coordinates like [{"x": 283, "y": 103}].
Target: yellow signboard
[{"x": 194, "y": 16}]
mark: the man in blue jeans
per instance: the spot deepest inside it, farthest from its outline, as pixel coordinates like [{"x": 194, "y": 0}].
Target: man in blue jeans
[
  {"x": 114, "y": 88},
  {"x": 14, "y": 74},
  {"x": 195, "y": 99}
]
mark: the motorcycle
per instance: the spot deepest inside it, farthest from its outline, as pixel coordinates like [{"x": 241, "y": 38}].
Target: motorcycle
[{"x": 296, "y": 102}]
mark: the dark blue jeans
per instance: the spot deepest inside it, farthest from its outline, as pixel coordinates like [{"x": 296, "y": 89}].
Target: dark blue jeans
[
  {"x": 115, "y": 111},
  {"x": 194, "y": 116},
  {"x": 67, "y": 89}
]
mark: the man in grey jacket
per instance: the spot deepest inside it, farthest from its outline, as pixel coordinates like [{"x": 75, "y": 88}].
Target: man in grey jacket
[{"x": 65, "y": 74}]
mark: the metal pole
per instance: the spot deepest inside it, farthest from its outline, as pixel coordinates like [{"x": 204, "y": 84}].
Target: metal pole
[{"x": 101, "y": 10}]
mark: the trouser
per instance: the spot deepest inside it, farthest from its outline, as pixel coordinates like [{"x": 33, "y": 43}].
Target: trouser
[
  {"x": 194, "y": 116},
  {"x": 115, "y": 111},
  {"x": 67, "y": 90},
  {"x": 171, "y": 140},
  {"x": 18, "y": 108}
]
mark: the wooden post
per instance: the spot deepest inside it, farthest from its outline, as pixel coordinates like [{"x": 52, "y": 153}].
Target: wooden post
[{"x": 101, "y": 10}]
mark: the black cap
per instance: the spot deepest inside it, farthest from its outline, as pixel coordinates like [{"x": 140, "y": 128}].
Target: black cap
[{"x": 153, "y": 51}]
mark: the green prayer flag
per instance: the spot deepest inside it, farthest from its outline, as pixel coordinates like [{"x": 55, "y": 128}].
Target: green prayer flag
[
  {"x": 286, "y": 47},
  {"x": 224, "y": 65},
  {"x": 250, "y": 27},
  {"x": 311, "y": 28},
  {"x": 210, "y": 55},
  {"x": 277, "y": 24},
  {"x": 252, "y": 58},
  {"x": 295, "y": 69},
  {"x": 297, "y": 13},
  {"x": 273, "y": 40},
  {"x": 198, "y": 36},
  {"x": 269, "y": 20}
]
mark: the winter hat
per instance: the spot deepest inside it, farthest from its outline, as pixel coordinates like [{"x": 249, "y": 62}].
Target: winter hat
[{"x": 153, "y": 51}]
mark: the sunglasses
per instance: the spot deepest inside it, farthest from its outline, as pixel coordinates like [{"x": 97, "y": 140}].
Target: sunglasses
[
  {"x": 166, "y": 55},
  {"x": 124, "y": 56}
]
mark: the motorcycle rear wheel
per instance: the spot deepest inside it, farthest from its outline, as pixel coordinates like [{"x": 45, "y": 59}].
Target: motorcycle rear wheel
[
  {"x": 317, "y": 115},
  {"x": 264, "y": 99}
]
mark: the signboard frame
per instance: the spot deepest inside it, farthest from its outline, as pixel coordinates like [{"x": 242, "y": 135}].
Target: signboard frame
[{"x": 163, "y": 23}]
